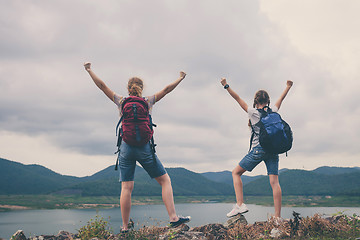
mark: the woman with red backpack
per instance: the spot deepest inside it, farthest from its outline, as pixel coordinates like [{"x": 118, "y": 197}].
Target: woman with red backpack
[{"x": 130, "y": 152}]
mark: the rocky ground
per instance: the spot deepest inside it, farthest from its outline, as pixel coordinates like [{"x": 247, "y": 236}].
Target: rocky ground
[{"x": 316, "y": 227}]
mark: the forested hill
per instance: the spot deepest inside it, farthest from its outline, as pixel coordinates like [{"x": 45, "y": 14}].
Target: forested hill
[
  {"x": 17, "y": 178},
  {"x": 321, "y": 181},
  {"x": 301, "y": 182}
]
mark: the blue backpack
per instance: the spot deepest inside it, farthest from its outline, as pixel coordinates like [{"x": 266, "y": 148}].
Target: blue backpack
[{"x": 275, "y": 134}]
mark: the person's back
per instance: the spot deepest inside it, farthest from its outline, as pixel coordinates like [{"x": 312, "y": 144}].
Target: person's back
[
  {"x": 131, "y": 150},
  {"x": 257, "y": 153}
]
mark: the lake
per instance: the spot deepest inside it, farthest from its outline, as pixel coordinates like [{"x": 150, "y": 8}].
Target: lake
[{"x": 48, "y": 222}]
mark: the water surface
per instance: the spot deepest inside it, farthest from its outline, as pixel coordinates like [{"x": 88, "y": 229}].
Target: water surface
[{"x": 47, "y": 222}]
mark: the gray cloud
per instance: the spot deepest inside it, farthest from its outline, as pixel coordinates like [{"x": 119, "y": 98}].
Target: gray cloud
[{"x": 45, "y": 90}]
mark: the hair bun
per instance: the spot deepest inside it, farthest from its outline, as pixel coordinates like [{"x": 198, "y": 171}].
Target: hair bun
[{"x": 135, "y": 87}]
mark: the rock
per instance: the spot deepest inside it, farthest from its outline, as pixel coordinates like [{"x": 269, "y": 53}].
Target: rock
[
  {"x": 19, "y": 235},
  {"x": 188, "y": 235},
  {"x": 64, "y": 235},
  {"x": 183, "y": 228},
  {"x": 240, "y": 219},
  {"x": 275, "y": 233},
  {"x": 44, "y": 237},
  {"x": 182, "y": 233},
  {"x": 212, "y": 231}
]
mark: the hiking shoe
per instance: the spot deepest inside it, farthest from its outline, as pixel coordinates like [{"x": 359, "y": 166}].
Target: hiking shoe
[
  {"x": 238, "y": 210},
  {"x": 131, "y": 224},
  {"x": 180, "y": 221},
  {"x": 130, "y": 227}
]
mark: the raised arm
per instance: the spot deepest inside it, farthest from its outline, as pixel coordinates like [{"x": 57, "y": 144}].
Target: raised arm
[
  {"x": 289, "y": 84},
  {"x": 169, "y": 87},
  {"x": 241, "y": 102},
  {"x": 99, "y": 83}
]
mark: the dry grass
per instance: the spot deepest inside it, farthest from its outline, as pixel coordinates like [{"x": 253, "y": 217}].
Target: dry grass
[{"x": 315, "y": 227}]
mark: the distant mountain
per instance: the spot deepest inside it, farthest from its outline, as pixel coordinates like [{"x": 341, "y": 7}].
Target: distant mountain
[
  {"x": 226, "y": 177},
  {"x": 335, "y": 170},
  {"x": 17, "y": 178},
  {"x": 108, "y": 172},
  {"x": 301, "y": 182},
  {"x": 184, "y": 183}
]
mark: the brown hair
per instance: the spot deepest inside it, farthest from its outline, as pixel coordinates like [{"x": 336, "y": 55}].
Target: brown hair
[
  {"x": 135, "y": 86},
  {"x": 261, "y": 98}
]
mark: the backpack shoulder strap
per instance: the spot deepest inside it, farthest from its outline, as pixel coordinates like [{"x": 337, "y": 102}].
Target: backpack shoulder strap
[
  {"x": 118, "y": 124},
  {"x": 264, "y": 111},
  {"x": 251, "y": 138},
  {"x": 140, "y": 100}
]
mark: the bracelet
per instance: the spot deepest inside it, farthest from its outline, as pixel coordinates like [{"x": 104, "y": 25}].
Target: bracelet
[{"x": 226, "y": 86}]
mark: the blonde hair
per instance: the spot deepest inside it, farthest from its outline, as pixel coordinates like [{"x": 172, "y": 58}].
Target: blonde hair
[{"x": 135, "y": 86}]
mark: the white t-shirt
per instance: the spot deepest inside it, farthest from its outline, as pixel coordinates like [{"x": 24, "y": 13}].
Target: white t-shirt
[
  {"x": 118, "y": 100},
  {"x": 254, "y": 116}
]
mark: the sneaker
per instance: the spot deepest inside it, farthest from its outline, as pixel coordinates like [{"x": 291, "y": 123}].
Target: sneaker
[
  {"x": 124, "y": 231},
  {"x": 131, "y": 224},
  {"x": 130, "y": 227},
  {"x": 180, "y": 221},
  {"x": 238, "y": 210}
]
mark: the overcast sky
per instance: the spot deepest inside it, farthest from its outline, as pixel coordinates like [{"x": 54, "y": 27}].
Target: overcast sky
[{"x": 52, "y": 114}]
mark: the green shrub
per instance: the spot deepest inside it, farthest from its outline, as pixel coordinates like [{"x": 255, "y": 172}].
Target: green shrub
[{"x": 97, "y": 227}]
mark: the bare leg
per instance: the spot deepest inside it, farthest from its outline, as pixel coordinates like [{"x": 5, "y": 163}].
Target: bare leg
[
  {"x": 125, "y": 202},
  {"x": 238, "y": 185},
  {"x": 167, "y": 196},
  {"x": 274, "y": 182}
]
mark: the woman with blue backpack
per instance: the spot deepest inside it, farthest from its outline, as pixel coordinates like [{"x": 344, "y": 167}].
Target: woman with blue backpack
[
  {"x": 257, "y": 153},
  {"x": 135, "y": 145}
]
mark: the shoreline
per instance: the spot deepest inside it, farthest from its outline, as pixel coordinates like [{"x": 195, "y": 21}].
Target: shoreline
[{"x": 33, "y": 202}]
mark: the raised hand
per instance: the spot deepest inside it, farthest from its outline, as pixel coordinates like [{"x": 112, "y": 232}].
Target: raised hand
[
  {"x": 182, "y": 75},
  {"x": 87, "y": 66},
  {"x": 223, "y": 81},
  {"x": 289, "y": 83}
]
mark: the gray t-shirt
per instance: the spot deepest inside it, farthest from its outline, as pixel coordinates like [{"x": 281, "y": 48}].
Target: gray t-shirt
[{"x": 254, "y": 116}]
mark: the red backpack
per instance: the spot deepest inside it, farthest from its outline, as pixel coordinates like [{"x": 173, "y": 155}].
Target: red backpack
[{"x": 136, "y": 123}]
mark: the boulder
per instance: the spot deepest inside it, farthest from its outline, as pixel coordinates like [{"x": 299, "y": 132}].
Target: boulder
[
  {"x": 19, "y": 235},
  {"x": 213, "y": 231},
  {"x": 182, "y": 233},
  {"x": 64, "y": 235},
  {"x": 190, "y": 235},
  {"x": 275, "y": 233},
  {"x": 44, "y": 237},
  {"x": 237, "y": 219}
]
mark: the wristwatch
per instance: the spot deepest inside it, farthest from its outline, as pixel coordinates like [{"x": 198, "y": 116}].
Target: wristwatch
[{"x": 226, "y": 86}]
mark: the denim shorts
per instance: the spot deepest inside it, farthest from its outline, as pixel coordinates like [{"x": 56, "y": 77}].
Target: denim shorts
[
  {"x": 256, "y": 156},
  {"x": 130, "y": 154}
]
